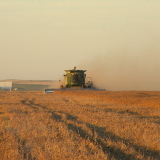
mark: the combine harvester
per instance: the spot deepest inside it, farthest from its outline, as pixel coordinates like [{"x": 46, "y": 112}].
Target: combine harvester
[{"x": 75, "y": 80}]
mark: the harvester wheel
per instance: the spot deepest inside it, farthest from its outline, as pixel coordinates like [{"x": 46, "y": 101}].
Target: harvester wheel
[{"x": 67, "y": 86}]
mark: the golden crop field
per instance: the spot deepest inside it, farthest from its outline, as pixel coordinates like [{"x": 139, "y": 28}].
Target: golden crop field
[{"x": 80, "y": 125}]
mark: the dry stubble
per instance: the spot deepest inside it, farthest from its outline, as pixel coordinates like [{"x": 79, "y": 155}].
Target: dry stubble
[{"x": 79, "y": 125}]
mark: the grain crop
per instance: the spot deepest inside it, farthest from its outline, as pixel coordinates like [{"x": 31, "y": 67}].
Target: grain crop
[{"x": 80, "y": 125}]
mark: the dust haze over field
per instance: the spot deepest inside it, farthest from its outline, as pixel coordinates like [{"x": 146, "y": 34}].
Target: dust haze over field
[
  {"x": 125, "y": 71},
  {"x": 117, "y": 42}
]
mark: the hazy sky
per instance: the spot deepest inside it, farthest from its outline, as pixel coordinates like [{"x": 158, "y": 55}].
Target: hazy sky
[{"x": 118, "y": 42}]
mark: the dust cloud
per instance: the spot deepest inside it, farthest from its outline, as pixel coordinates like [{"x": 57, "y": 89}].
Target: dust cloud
[{"x": 125, "y": 71}]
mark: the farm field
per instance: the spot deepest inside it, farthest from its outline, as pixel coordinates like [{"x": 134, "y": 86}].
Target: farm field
[{"x": 80, "y": 125}]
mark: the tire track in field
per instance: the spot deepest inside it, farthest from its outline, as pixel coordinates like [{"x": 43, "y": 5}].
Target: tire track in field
[
  {"x": 102, "y": 135},
  {"x": 23, "y": 149},
  {"x": 152, "y": 119},
  {"x": 113, "y": 151}
]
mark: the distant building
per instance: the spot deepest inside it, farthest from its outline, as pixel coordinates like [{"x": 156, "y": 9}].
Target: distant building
[{"x": 6, "y": 85}]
